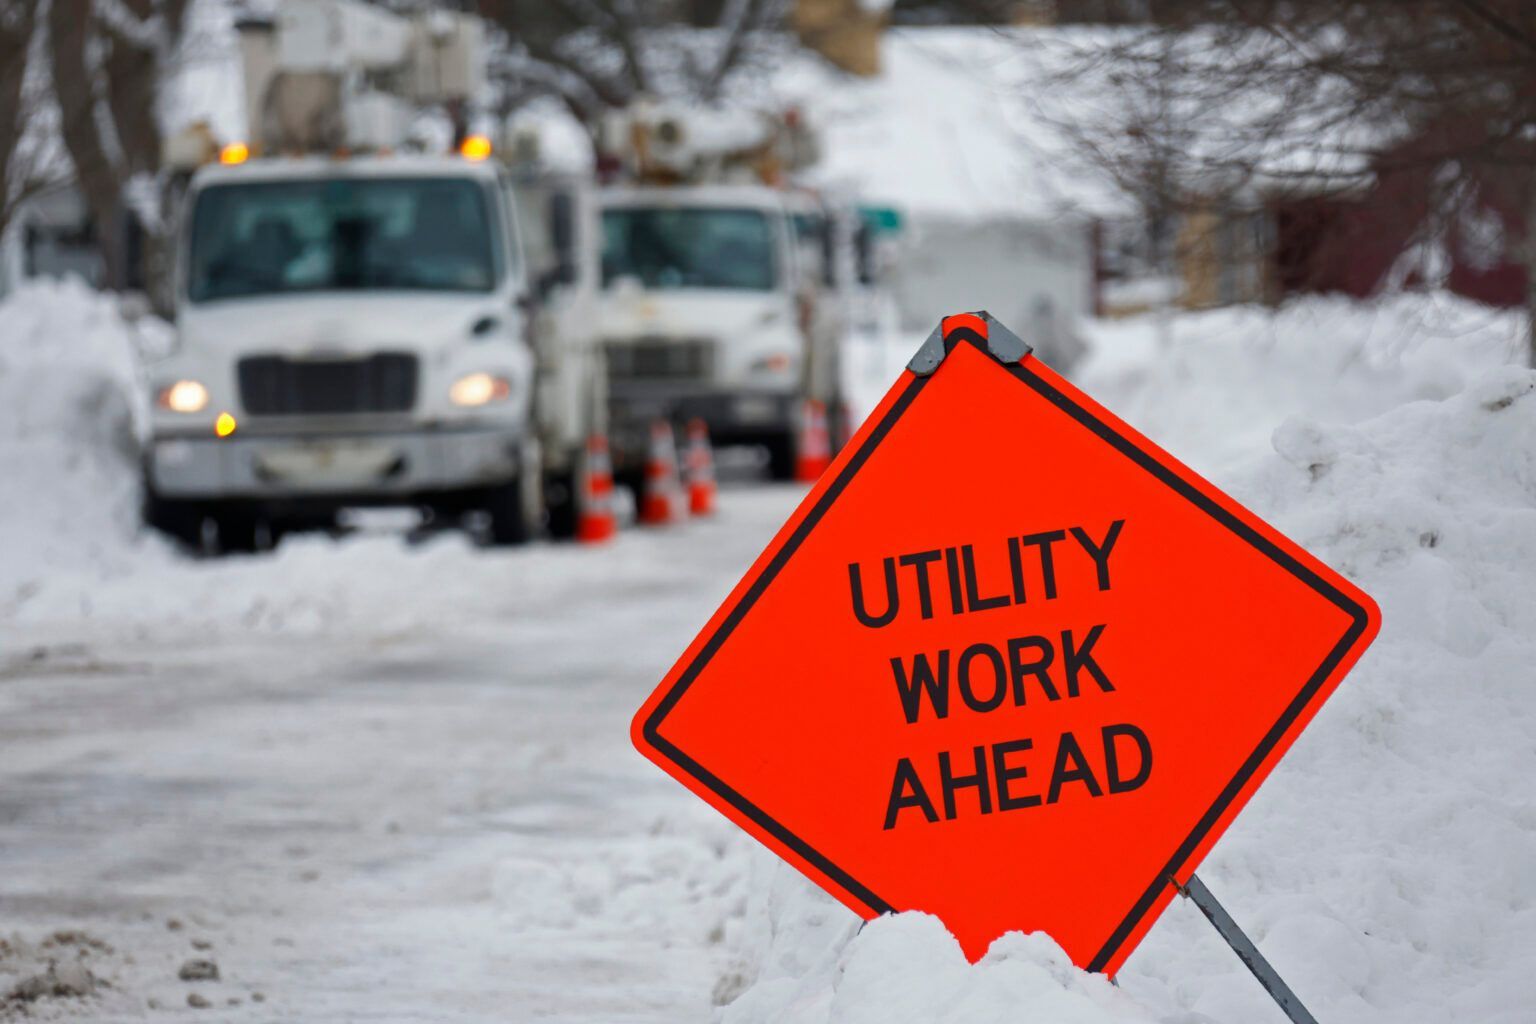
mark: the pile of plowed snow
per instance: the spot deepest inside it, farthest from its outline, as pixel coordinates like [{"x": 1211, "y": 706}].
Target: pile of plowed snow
[
  {"x": 1386, "y": 868},
  {"x": 1212, "y": 386},
  {"x": 68, "y": 443}
]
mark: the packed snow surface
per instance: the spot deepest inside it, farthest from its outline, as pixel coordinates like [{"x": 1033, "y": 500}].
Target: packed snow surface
[{"x": 378, "y": 780}]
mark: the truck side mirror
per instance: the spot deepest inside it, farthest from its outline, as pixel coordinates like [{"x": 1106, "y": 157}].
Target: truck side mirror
[
  {"x": 562, "y": 233},
  {"x": 560, "y": 219}
]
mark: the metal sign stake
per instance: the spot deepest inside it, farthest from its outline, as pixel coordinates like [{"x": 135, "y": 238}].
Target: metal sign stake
[{"x": 1246, "y": 951}]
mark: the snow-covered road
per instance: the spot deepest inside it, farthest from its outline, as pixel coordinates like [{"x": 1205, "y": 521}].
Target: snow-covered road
[{"x": 376, "y": 781}]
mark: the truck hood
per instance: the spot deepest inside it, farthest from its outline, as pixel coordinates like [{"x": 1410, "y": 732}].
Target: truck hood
[
  {"x": 625, "y": 316},
  {"x": 340, "y": 324}
]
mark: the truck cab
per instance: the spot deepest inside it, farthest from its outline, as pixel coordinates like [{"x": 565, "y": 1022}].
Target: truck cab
[{"x": 349, "y": 332}]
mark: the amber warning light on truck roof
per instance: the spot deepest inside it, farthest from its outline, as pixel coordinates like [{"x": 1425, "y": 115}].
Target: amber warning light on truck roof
[
  {"x": 1009, "y": 662},
  {"x": 475, "y": 148}
]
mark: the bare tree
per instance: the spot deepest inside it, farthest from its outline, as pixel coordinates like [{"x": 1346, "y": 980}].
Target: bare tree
[
  {"x": 16, "y": 24},
  {"x": 595, "y": 55},
  {"x": 27, "y": 162},
  {"x": 108, "y": 61},
  {"x": 1278, "y": 95}
]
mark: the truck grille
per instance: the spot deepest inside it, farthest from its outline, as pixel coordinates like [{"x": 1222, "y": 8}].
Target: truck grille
[
  {"x": 660, "y": 359},
  {"x": 276, "y": 386}
]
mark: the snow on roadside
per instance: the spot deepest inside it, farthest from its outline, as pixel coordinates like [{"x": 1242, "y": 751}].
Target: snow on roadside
[
  {"x": 68, "y": 442},
  {"x": 1213, "y": 385},
  {"x": 822, "y": 967},
  {"x": 1385, "y": 867}
]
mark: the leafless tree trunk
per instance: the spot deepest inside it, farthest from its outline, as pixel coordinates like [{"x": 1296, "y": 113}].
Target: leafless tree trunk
[
  {"x": 106, "y": 76},
  {"x": 17, "y": 21},
  {"x": 69, "y": 32}
]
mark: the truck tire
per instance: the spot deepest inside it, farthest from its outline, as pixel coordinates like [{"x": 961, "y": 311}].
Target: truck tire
[
  {"x": 782, "y": 449},
  {"x": 240, "y": 529},
  {"x": 511, "y": 520},
  {"x": 560, "y": 504},
  {"x": 182, "y": 521},
  {"x": 516, "y": 508}
]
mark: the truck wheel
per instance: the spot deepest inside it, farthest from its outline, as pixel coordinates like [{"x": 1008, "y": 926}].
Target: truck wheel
[
  {"x": 240, "y": 531},
  {"x": 511, "y": 520},
  {"x": 182, "y": 521},
  {"x": 781, "y": 456},
  {"x": 560, "y": 505},
  {"x": 517, "y": 507}
]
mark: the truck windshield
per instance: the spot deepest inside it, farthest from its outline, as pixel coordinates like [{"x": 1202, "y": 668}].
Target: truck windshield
[
  {"x": 698, "y": 247},
  {"x": 271, "y": 237}
]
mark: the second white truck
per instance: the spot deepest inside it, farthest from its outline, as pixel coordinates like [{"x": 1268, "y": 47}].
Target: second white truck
[{"x": 719, "y": 301}]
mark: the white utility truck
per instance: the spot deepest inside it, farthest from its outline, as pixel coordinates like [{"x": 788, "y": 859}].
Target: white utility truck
[
  {"x": 355, "y": 321},
  {"x": 719, "y": 299}
]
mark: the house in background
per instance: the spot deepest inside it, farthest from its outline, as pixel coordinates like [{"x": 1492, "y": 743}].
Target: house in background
[
  {"x": 1358, "y": 243},
  {"x": 1407, "y": 224}
]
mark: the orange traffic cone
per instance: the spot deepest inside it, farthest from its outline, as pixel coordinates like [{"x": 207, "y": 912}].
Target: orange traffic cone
[
  {"x": 595, "y": 520},
  {"x": 699, "y": 462},
  {"x": 660, "y": 496},
  {"x": 814, "y": 448}
]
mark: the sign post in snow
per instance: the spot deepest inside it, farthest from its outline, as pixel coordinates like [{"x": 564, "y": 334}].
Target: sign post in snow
[{"x": 1009, "y": 662}]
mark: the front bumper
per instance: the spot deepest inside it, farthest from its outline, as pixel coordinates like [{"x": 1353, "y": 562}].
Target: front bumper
[
  {"x": 733, "y": 417},
  {"x": 369, "y": 466}
]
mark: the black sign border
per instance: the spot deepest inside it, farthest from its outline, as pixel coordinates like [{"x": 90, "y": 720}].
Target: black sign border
[{"x": 1360, "y": 622}]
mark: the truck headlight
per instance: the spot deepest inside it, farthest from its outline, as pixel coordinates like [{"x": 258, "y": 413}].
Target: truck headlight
[
  {"x": 183, "y": 396},
  {"x": 479, "y": 389}
]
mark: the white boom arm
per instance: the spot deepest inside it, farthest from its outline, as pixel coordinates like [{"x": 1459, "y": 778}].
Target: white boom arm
[{"x": 331, "y": 74}]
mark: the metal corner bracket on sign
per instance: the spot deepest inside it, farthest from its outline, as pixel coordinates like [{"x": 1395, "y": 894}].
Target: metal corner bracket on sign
[
  {"x": 1246, "y": 951},
  {"x": 997, "y": 341}
]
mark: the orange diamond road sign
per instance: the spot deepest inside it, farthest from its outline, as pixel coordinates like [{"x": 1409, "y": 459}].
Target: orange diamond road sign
[{"x": 1009, "y": 662}]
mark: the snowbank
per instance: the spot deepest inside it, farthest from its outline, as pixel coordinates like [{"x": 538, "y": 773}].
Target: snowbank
[
  {"x": 1385, "y": 868},
  {"x": 68, "y": 447},
  {"x": 1212, "y": 386},
  {"x": 819, "y": 966},
  {"x": 909, "y": 968}
]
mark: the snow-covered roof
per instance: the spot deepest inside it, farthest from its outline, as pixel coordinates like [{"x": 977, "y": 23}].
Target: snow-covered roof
[
  {"x": 985, "y": 122},
  {"x": 947, "y": 127}
]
